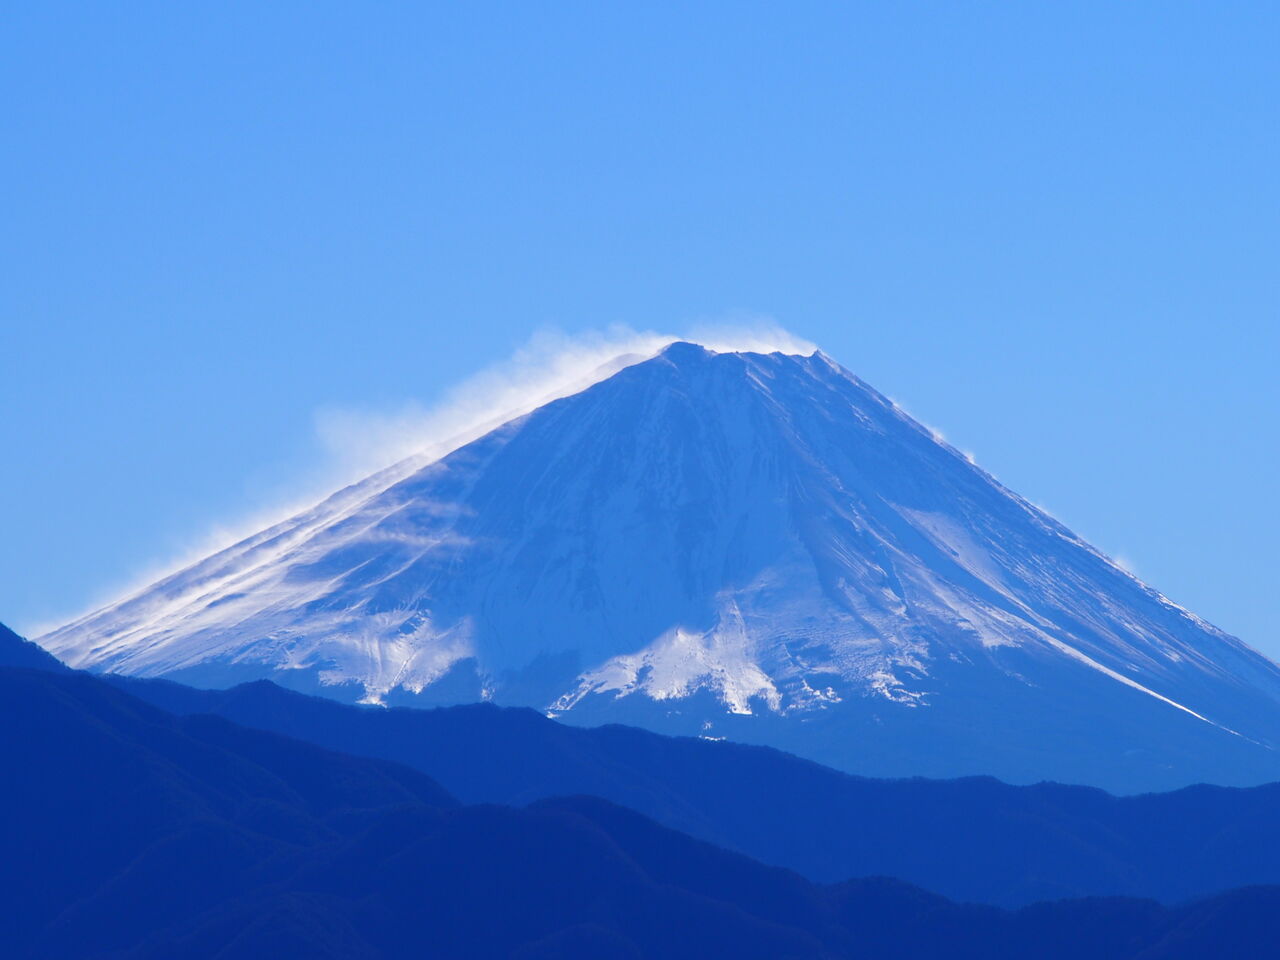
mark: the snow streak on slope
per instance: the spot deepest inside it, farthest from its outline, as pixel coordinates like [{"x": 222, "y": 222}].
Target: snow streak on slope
[{"x": 763, "y": 530}]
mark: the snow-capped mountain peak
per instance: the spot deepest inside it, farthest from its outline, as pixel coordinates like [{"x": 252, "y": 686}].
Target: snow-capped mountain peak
[{"x": 743, "y": 542}]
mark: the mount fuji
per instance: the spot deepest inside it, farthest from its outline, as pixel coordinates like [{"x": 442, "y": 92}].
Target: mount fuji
[{"x": 744, "y": 545}]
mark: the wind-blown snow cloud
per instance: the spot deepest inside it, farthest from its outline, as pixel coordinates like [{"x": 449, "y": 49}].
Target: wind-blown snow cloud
[
  {"x": 359, "y": 442},
  {"x": 551, "y": 365}
]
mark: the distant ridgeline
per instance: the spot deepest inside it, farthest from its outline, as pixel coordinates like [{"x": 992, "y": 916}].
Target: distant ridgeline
[
  {"x": 16, "y": 651},
  {"x": 157, "y": 829},
  {"x": 742, "y": 545}
]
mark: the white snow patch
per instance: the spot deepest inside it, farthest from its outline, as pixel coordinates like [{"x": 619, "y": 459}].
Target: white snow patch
[{"x": 680, "y": 662}]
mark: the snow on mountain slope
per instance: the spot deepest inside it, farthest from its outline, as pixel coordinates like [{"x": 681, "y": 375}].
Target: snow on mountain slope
[{"x": 756, "y": 545}]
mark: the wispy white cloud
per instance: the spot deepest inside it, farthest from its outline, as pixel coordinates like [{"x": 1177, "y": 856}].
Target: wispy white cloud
[
  {"x": 356, "y": 443},
  {"x": 551, "y": 365},
  {"x": 1125, "y": 563}
]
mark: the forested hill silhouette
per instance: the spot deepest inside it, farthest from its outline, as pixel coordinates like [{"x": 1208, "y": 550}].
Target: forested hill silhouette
[
  {"x": 974, "y": 839},
  {"x": 134, "y": 833},
  {"x": 16, "y": 651}
]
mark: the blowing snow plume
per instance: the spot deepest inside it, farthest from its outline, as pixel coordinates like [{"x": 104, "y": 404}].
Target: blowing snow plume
[
  {"x": 550, "y": 366},
  {"x": 359, "y": 443}
]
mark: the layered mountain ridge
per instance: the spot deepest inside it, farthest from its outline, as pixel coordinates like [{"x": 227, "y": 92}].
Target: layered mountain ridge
[
  {"x": 752, "y": 545},
  {"x": 133, "y": 833}
]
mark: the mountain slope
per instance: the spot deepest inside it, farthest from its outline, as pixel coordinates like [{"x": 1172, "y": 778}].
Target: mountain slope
[
  {"x": 757, "y": 546},
  {"x": 112, "y": 795},
  {"x": 16, "y": 651},
  {"x": 133, "y": 834},
  {"x": 974, "y": 840}
]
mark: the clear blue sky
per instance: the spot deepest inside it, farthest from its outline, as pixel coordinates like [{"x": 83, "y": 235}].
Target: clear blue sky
[{"x": 1051, "y": 230}]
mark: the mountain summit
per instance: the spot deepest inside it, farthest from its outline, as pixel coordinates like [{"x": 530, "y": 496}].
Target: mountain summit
[{"x": 757, "y": 546}]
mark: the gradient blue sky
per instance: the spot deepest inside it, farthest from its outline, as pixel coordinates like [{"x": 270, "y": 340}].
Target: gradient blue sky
[{"x": 1050, "y": 230}]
